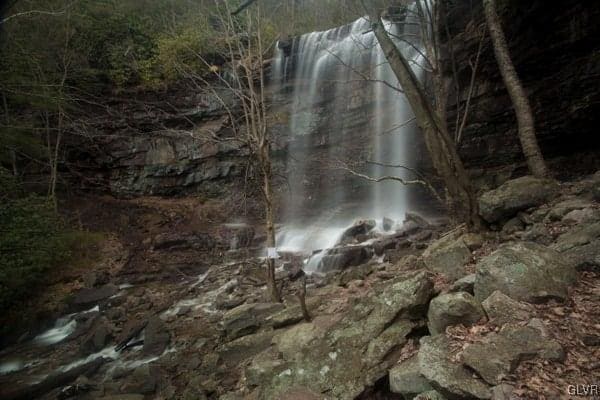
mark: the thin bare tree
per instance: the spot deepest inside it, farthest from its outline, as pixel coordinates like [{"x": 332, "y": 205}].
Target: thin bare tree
[{"x": 430, "y": 111}]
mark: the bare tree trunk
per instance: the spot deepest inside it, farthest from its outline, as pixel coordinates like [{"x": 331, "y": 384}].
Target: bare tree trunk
[
  {"x": 265, "y": 163},
  {"x": 302, "y": 299},
  {"x": 440, "y": 145},
  {"x": 526, "y": 124}
]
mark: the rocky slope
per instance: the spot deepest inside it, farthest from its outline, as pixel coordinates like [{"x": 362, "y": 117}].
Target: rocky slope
[{"x": 455, "y": 315}]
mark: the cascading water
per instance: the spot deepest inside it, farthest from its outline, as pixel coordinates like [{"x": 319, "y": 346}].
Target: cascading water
[{"x": 347, "y": 104}]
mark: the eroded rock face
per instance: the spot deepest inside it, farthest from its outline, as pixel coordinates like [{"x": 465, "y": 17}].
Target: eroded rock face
[
  {"x": 514, "y": 196},
  {"x": 452, "y": 309},
  {"x": 524, "y": 271},
  {"x": 345, "y": 356},
  {"x": 451, "y": 379}
]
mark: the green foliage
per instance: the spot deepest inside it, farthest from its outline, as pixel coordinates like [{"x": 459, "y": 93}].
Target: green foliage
[{"x": 32, "y": 242}]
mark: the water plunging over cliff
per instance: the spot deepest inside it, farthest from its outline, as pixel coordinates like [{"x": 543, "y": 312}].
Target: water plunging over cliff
[{"x": 344, "y": 107}]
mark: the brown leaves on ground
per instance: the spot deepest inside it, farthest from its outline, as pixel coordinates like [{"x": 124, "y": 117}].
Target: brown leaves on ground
[{"x": 575, "y": 325}]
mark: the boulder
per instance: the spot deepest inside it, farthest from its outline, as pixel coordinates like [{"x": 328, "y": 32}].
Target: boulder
[
  {"x": 524, "y": 271},
  {"x": 387, "y": 224},
  {"x": 91, "y": 296},
  {"x": 247, "y": 318},
  {"x": 351, "y": 274},
  {"x": 448, "y": 256},
  {"x": 453, "y": 309},
  {"x": 464, "y": 284},
  {"x": 539, "y": 233},
  {"x": 559, "y": 210},
  {"x": 98, "y": 337},
  {"x": 501, "y": 309},
  {"x": 240, "y": 349},
  {"x": 340, "y": 258},
  {"x": 579, "y": 236},
  {"x": 513, "y": 225},
  {"x": 514, "y": 196},
  {"x": 342, "y": 355},
  {"x": 156, "y": 337},
  {"x": 143, "y": 380},
  {"x": 499, "y": 354},
  {"x": 586, "y": 257},
  {"x": 449, "y": 378},
  {"x": 503, "y": 391},
  {"x": 585, "y": 215},
  {"x": 430, "y": 395},
  {"x": 473, "y": 241},
  {"x": 420, "y": 221},
  {"x": 360, "y": 227},
  {"x": 406, "y": 379}
]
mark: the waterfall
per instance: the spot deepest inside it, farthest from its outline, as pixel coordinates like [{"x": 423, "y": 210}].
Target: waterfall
[{"x": 344, "y": 104}]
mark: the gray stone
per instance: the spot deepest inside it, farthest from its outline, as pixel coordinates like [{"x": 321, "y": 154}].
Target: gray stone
[
  {"x": 464, "y": 284},
  {"x": 91, "y": 296},
  {"x": 513, "y": 225},
  {"x": 514, "y": 196},
  {"x": 447, "y": 256},
  {"x": 340, "y": 258},
  {"x": 472, "y": 240},
  {"x": 430, "y": 395},
  {"x": 343, "y": 355},
  {"x": 234, "y": 352},
  {"x": 502, "y": 391},
  {"x": 407, "y": 380},
  {"x": 586, "y": 215},
  {"x": 354, "y": 273},
  {"x": 387, "y": 223},
  {"x": 452, "y": 309},
  {"x": 559, "y": 210},
  {"x": 578, "y": 236},
  {"x": 524, "y": 271},
  {"x": 451, "y": 379},
  {"x": 539, "y": 233},
  {"x": 156, "y": 337},
  {"x": 361, "y": 227},
  {"x": 247, "y": 318},
  {"x": 420, "y": 221},
  {"x": 501, "y": 309},
  {"x": 586, "y": 257},
  {"x": 98, "y": 337},
  {"x": 499, "y": 354}
]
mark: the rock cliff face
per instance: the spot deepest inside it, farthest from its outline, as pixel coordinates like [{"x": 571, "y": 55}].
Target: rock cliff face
[
  {"x": 556, "y": 52},
  {"x": 171, "y": 143}
]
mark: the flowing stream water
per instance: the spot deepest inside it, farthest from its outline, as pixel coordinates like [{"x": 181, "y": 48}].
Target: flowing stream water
[{"x": 341, "y": 84}]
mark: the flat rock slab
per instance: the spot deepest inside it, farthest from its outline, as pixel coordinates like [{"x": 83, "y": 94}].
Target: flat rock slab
[
  {"x": 91, "y": 296},
  {"x": 514, "y": 196},
  {"x": 524, "y": 271},
  {"x": 499, "y": 354},
  {"x": 451, "y": 379},
  {"x": 501, "y": 309}
]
